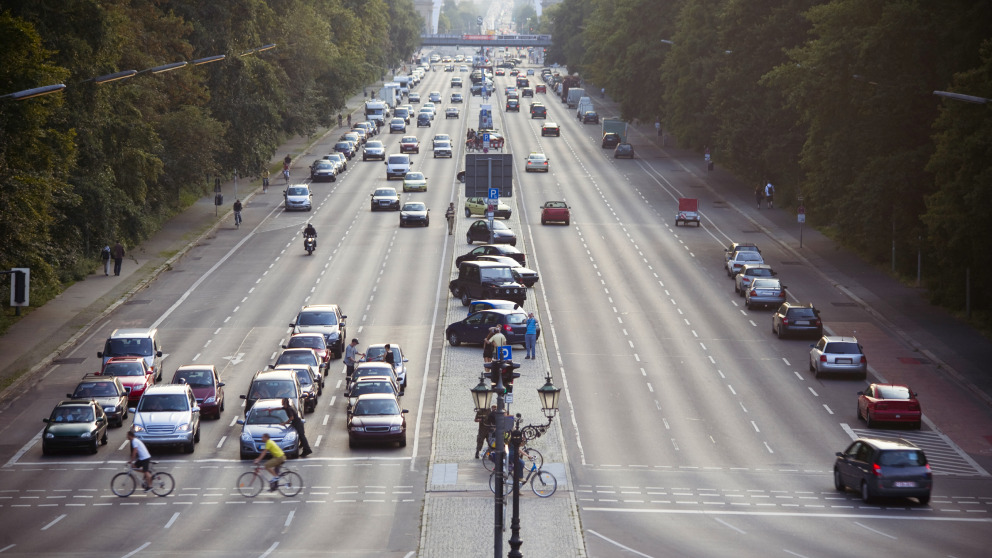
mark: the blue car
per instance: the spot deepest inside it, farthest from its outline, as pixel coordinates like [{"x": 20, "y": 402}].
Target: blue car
[{"x": 474, "y": 328}]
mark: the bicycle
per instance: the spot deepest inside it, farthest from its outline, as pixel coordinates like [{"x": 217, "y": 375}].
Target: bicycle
[
  {"x": 531, "y": 456},
  {"x": 237, "y": 219},
  {"x": 250, "y": 483},
  {"x": 285, "y": 175},
  {"x": 543, "y": 483},
  {"x": 124, "y": 484}
]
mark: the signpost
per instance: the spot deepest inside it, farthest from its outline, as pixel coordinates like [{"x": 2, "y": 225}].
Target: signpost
[{"x": 491, "y": 215}]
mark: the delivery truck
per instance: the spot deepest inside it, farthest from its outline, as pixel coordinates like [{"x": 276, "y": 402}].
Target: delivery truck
[{"x": 574, "y": 94}]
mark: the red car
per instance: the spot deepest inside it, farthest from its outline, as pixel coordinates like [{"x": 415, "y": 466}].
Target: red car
[
  {"x": 206, "y": 385},
  {"x": 889, "y": 403},
  {"x": 133, "y": 374},
  {"x": 540, "y": 89},
  {"x": 555, "y": 211},
  {"x": 313, "y": 341},
  {"x": 409, "y": 144}
]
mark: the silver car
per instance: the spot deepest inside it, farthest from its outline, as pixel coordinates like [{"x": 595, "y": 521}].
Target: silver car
[
  {"x": 838, "y": 354},
  {"x": 267, "y": 417},
  {"x": 374, "y": 150},
  {"x": 748, "y": 272},
  {"x": 167, "y": 415},
  {"x": 375, "y": 352},
  {"x": 764, "y": 291},
  {"x": 298, "y": 197}
]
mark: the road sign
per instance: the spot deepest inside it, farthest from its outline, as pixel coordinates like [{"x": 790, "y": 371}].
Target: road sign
[
  {"x": 801, "y": 218},
  {"x": 801, "y": 210},
  {"x": 494, "y": 193},
  {"x": 505, "y": 352}
]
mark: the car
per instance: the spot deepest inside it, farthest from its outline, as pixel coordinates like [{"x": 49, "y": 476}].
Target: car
[
  {"x": 486, "y": 280},
  {"x": 541, "y": 88},
  {"x": 273, "y": 384},
  {"x": 322, "y": 170},
  {"x": 375, "y": 352},
  {"x": 385, "y": 198},
  {"x": 890, "y": 467},
  {"x": 493, "y": 250},
  {"x": 267, "y": 417},
  {"x": 414, "y": 182},
  {"x": 473, "y": 329},
  {"x": 739, "y": 259},
  {"x": 513, "y": 96},
  {"x": 339, "y": 161},
  {"x": 462, "y": 68},
  {"x": 740, "y": 247},
  {"x": 457, "y": 98},
  {"x": 133, "y": 374},
  {"x": 413, "y": 97},
  {"x": 75, "y": 424},
  {"x": 346, "y": 148},
  {"x": 526, "y": 92},
  {"x": 589, "y": 117},
  {"x": 610, "y": 139},
  {"x": 538, "y": 110},
  {"x": 377, "y": 370},
  {"x": 409, "y": 144},
  {"x": 313, "y": 341},
  {"x": 311, "y": 384},
  {"x": 207, "y": 388},
  {"x": 397, "y": 165},
  {"x": 838, "y": 354},
  {"x": 429, "y": 108},
  {"x": 377, "y": 418},
  {"x": 748, "y": 272},
  {"x": 451, "y": 112},
  {"x": 327, "y": 320},
  {"x": 449, "y": 68},
  {"x": 442, "y": 149},
  {"x": 480, "y": 305},
  {"x": 134, "y": 342},
  {"x": 300, "y": 355},
  {"x": 478, "y": 206},
  {"x": 523, "y": 275},
  {"x": 550, "y": 129},
  {"x": 167, "y": 415},
  {"x": 439, "y": 138},
  {"x": 796, "y": 319},
  {"x": 512, "y": 105},
  {"x": 369, "y": 127},
  {"x": 555, "y": 212},
  {"x": 374, "y": 150},
  {"x": 107, "y": 392},
  {"x": 536, "y": 162},
  {"x": 397, "y": 125},
  {"x": 435, "y": 97},
  {"x": 403, "y": 113},
  {"x": 358, "y": 133},
  {"x": 530, "y": 71},
  {"x": 499, "y": 72},
  {"x": 623, "y": 151},
  {"x": 479, "y": 232},
  {"x": 456, "y": 82},
  {"x": 298, "y": 197},
  {"x": 369, "y": 384},
  {"x": 891, "y": 403},
  {"x": 415, "y": 213},
  {"x": 424, "y": 120},
  {"x": 514, "y": 72},
  {"x": 764, "y": 291}
]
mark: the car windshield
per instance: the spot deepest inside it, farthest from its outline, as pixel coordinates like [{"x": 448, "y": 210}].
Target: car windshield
[
  {"x": 766, "y": 284},
  {"x": 414, "y": 206},
  {"x": 128, "y": 347},
  {"x": 500, "y": 226},
  {"x": 194, "y": 378},
  {"x": 270, "y": 415},
  {"x": 272, "y": 389},
  {"x": 516, "y": 318},
  {"x": 304, "y": 377},
  {"x": 170, "y": 402},
  {"x": 902, "y": 458},
  {"x": 385, "y": 192},
  {"x": 375, "y": 353},
  {"x": 317, "y": 318},
  {"x": 842, "y": 348},
  {"x": 399, "y": 160},
  {"x": 376, "y": 407},
  {"x": 748, "y": 257},
  {"x": 442, "y": 145},
  {"x": 123, "y": 369},
  {"x": 296, "y": 191},
  {"x": 296, "y": 357},
  {"x": 414, "y": 176},
  {"x": 73, "y": 414},
  {"x": 801, "y": 313},
  {"x": 759, "y": 272},
  {"x": 323, "y": 166},
  {"x": 893, "y": 392},
  {"x": 307, "y": 342},
  {"x": 373, "y": 144},
  {"x": 95, "y": 389},
  {"x": 375, "y": 386},
  {"x": 495, "y": 274}
]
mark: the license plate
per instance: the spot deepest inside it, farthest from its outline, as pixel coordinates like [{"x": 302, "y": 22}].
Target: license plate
[
  {"x": 904, "y": 484},
  {"x": 802, "y": 322},
  {"x": 843, "y": 361}
]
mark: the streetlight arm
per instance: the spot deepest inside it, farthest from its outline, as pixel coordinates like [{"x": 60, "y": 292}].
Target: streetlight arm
[
  {"x": 35, "y": 92},
  {"x": 962, "y": 97}
]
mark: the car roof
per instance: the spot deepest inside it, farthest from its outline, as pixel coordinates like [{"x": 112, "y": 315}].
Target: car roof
[
  {"x": 197, "y": 367},
  {"x": 267, "y": 404},
  {"x": 889, "y": 443},
  {"x": 481, "y": 263},
  {"x": 391, "y": 345},
  {"x": 365, "y": 396},
  {"x": 166, "y": 388},
  {"x": 840, "y": 339},
  {"x": 273, "y": 374},
  {"x": 132, "y": 332}
]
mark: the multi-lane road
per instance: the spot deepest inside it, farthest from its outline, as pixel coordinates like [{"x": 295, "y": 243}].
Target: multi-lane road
[{"x": 689, "y": 429}]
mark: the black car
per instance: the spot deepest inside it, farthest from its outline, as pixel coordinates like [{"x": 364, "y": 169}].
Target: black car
[
  {"x": 589, "y": 117},
  {"x": 479, "y": 232},
  {"x": 610, "y": 139},
  {"x": 890, "y": 467},
  {"x": 486, "y": 280},
  {"x": 327, "y": 320},
  {"x": 75, "y": 424},
  {"x": 107, "y": 391},
  {"x": 345, "y": 148},
  {"x": 513, "y": 105},
  {"x": 796, "y": 319},
  {"x": 493, "y": 250},
  {"x": 623, "y": 151},
  {"x": 322, "y": 169},
  {"x": 538, "y": 111},
  {"x": 473, "y": 329},
  {"x": 423, "y": 119}
]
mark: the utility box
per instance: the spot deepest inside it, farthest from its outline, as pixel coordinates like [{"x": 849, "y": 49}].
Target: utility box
[{"x": 480, "y": 167}]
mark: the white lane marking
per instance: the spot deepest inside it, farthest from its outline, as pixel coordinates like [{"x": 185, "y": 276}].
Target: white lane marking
[
  {"x": 829, "y": 410},
  {"x": 172, "y": 520},
  {"x": 8, "y": 547},
  {"x": 53, "y": 522},
  {"x": 876, "y": 531},
  {"x": 326, "y": 418},
  {"x": 811, "y": 390},
  {"x": 289, "y": 518},
  {"x": 222, "y": 440},
  {"x": 137, "y": 550},
  {"x": 722, "y": 522},
  {"x": 731, "y": 388},
  {"x": 615, "y": 543},
  {"x": 787, "y": 551},
  {"x": 755, "y": 425},
  {"x": 24, "y": 449},
  {"x": 769, "y": 448},
  {"x": 786, "y": 361},
  {"x": 319, "y": 438},
  {"x": 270, "y": 550}
]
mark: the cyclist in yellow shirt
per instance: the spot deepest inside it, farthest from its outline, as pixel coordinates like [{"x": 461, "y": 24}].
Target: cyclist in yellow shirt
[{"x": 272, "y": 465}]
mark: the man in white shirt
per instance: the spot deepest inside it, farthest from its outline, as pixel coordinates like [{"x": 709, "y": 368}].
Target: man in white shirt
[{"x": 141, "y": 458}]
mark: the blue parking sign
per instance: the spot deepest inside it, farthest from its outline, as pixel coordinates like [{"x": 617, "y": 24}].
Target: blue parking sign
[
  {"x": 505, "y": 352},
  {"x": 494, "y": 193}
]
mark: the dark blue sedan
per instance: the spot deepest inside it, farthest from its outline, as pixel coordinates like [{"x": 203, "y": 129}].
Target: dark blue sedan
[{"x": 474, "y": 328}]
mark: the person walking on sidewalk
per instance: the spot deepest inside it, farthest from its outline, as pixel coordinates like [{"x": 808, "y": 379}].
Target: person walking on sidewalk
[
  {"x": 770, "y": 195},
  {"x": 105, "y": 256},
  {"x": 530, "y": 336},
  {"x": 117, "y": 252},
  {"x": 759, "y": 195},
  {"x": 450, "y": 216},
  {"x": 487, "y": 421},
  {"x": 265, "y": 180},
  {"x": 293, "y": 419}
]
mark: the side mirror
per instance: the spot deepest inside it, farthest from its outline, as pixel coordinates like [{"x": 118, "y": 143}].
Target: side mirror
[
  {"x": 839, "y": 454},
  {"x": 101, "y": 419},
  {"x": 292, "y": 324},
  {"x": 99, "y": 354},
  {"x": 158, "y": 353},
  {"x": 132, "y": 410},
  {"x": 861, "y": 393},
  {"x": 284, "y": 346},
  {"x": 46, "y": 420},
  {"x": 244, "y": 397},
  {"x": 220, "y": 384},
  {"x": 196, "y": 409},
  {"x": 405, "y": 411},
  {"x": 241, "y": 421},
  {"x": 69, "y": 395}
]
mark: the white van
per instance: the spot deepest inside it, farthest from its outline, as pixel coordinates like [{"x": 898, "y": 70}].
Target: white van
[
  {"x": 397, "y": 165},
  {"x": 134, "y": 342}
]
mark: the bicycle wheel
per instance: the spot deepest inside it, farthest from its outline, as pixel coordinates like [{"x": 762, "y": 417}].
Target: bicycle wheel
[
  {"x": 290, "y": 483},
  {"x": 532, "y": 457},
  {"x": 162, "y": 484},
  {"x": 487, "y": 459},
  {"x": 544, "y": 484},
  {"x": 123, "y": 484},
  {"x": 507, "y": 484},
  {"x": 250, "y": 484}
]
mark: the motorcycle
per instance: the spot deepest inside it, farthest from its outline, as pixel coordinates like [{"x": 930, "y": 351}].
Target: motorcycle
[{"x": 309, "y": 243}]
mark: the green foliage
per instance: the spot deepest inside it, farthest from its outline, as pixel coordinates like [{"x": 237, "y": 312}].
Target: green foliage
[
  {"x": 567, "y": 21},
  {"x": 461, "y": 17}
]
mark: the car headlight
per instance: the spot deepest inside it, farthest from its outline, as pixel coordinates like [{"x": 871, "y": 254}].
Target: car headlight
[
  {"x": 246, "y": 437},
  {"x": 357, "y": 428},
  {"x": 290, "y": 436},
  {"x": 139, "y": 428},
  {"x": 49, "y": 435},
  {"x": 210, "y": 399},
  {"x": 110, "y": 409},
  {"x": 87, "y": 435},
  {"x": 395, "y": 428},
  {"x": 183, "y": 427}
]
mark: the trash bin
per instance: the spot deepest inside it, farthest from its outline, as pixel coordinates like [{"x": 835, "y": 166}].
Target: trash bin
[{"x": 219, "y": 199}]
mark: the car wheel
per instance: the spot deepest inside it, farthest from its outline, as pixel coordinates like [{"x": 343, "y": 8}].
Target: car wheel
[
  {"x": 103, "y": 441},
  {"x": 779, "y": 333},
  {"x": 924, "y": 500},
  {"x": 453, "y": 339},
  {"x": 567, "y": 221},
  {"x": 866, "y": 495},
  {"x": 467, "y": 213},
  {"x": 917, "y": 425},
  {"x": 427, "y": 223},
  {"x": 196, "y": 436},
  {"x": 403, "y": 442},
  {"x": 839, "y": 481},
  {"x": 747, "y": 303},
  {"x": 94, "y": 446},
  {"x": 45, "y": 450},
  {"x": 544, "y": 221},
  {"x": 465, "y": 299},
  {"x": 868, "y": 422},
  {"x": 351, "y": 443},
  {"x": 811, "y": 368},
  {"x": 221, "y": 408},
  {"x": 244, "y": 455},
  {"x": 859, "y": 412},
  {"x": 468, "y": 238},
  {"x": 190, "y": 447}
]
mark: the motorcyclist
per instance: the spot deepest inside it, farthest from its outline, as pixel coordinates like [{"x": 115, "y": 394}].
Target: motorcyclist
[{"x": 310, "y": 232}]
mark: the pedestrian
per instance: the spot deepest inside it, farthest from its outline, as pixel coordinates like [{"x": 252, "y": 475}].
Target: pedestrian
[
  {"x": 486, "y": 419},
  {"x": 530, "y": 336},
  {"x": 117, "y": 252},
  {"x": 770, "y": 195},
  {"x": 293, "y": 419},
  {"x": 450, "y": 216},
  {"x": 497, "y": 340},
  {"x": 759, "y": 195},
  {"x": 105, "y": 256},
  {"x": 339, "y": 120},
  {"x": 350, "y": 352},
  {"x": 487, "y": 347},
  {"x": 265, "y": 180},
  {"x": 349, "y": 119}
]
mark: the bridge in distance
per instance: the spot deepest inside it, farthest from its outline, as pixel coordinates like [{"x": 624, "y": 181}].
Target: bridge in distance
[{"x": 486, "y": 40}]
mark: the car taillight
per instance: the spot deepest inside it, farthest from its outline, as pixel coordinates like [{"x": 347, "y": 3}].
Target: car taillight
[
  {"x": 823, "y": 358},
  {"x": 876, "y": 469},
  {"x": 785, "y": 321},
  {"x": 781, "y": 294},
  {"x": 864, "y": 360},
  {"x": 927, "y": 474},
  {"x": 508, "y": 328},
  {"x": 881, "y": 406},
  {"x": 754, "y": 292}
]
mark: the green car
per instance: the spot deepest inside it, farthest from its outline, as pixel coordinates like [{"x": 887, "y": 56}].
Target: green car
[
  {"x": 75, "y": 424},
  {"x": 414, "y": 182},
  {"x": 477, "y": 206}
]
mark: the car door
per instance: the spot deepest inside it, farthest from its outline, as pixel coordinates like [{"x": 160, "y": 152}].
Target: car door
[
  {"x": 857, "y": 464},
  {"x": 474, "y": 327},
  {"x": 478, "y": 231}
]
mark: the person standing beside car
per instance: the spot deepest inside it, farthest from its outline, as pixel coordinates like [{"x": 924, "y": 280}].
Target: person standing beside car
[
  {"x": 530, "y": 336},
  {"x": 350, "y": 354},
  {"x": 293, "y": 419}
]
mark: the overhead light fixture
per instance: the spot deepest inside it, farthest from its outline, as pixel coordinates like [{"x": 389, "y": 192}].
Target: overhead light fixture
[
  {"x": 114, "y": 77},
  {"x": 35, "y": 92},
  {"x": 167, "y": 67},
  {"x": 208, "y": 59}
]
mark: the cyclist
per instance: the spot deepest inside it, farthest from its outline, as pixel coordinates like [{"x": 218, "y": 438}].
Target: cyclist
[
  {"x": 310, "y": 232},
  {"x": 272, "y": 465},
  {"x": 141, "y": 459},
  {"x": 237, "y": 213},
  {"x": 286, "y": 162}
]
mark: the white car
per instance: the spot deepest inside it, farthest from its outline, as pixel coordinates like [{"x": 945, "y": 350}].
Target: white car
[
  {"x": 451, "y": 112},
  {"x": 414, "y": 97},
  {"x": 440, "y": 137},
  {"x": 429, "y": 112},
  {"x": 536, "y": 162},
  {"x": 298, "y": 196},
  {"x": 442, "y": 149},
  {"x": 431, "y": 106}
]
